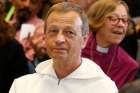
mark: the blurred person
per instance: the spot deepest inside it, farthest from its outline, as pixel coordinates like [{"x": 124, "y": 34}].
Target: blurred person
[
  {"x": 38, "y": 44},
  {"x": 46, "y": 4},
  {"x": 26, "y": 11},
  {"x": 85, "y": 4},
  {"x": 133, "y": 87},
  {"x": 38, "y": 41},
  {"x": 108, "y": 20},
  {"x": 13, "y": 62},
  {"x": 26, "y": 14},
  {"x": 67, "y": 72}
]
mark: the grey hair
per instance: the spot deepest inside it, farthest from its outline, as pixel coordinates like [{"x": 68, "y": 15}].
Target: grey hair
[{"x": 67, "y": 7}]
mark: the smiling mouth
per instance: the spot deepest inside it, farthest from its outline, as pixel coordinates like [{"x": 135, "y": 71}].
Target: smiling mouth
[{"x": 118, "y": 32}]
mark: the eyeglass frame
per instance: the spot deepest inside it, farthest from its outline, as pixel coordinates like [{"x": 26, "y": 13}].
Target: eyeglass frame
[{"x": 116, "y": 19}]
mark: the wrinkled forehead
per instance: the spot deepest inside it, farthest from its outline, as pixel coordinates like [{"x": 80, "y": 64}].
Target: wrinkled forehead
[
  {"x": 69, "y": 16},
  {"x": 120, "y": 11}
]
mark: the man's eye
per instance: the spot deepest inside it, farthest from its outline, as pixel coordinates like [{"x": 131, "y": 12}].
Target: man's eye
[
  {"x": 52, "y": 30},
  {"x": 69, "y": 33}
]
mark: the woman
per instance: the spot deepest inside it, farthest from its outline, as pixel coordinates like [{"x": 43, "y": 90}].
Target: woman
[{"x": 108, "y": 21}]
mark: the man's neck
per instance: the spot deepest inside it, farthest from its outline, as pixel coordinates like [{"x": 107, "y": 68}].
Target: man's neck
[{"x": 63, "y": 69}]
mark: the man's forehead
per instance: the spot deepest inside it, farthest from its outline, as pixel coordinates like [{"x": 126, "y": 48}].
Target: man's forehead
[
  {"x": 68, "y": 18},
  {"x": 63, "y": 15}
]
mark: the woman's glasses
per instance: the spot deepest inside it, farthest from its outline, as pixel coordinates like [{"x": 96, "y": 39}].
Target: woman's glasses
[{"x": 115, "y": 20}]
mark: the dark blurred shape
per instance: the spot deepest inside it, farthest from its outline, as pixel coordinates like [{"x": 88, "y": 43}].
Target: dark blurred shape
[
  {"x": 24, "y": 14},
  {"x": 133, "y": 87},
  {"x": 13, "y": 62},
  {"x": 130, "y": 44}
]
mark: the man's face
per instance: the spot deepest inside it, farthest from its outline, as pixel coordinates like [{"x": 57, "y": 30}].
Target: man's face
[
  {"x": 64, "y": 35},
  {"x": 25, "y": 9}
]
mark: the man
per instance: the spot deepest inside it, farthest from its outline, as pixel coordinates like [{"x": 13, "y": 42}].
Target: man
[{"x": 67, "y": 72}]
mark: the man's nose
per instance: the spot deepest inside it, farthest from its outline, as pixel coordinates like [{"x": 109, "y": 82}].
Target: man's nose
[{"x": 60, "y": 38}]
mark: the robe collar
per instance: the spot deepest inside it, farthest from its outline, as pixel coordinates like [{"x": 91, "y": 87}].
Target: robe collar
[{"x": 101, "y": 49}]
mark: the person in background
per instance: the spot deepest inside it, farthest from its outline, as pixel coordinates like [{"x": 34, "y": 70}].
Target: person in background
[
  {"x": 25, "y": 19},
  {"x": 38, "y": 43},
  {"x": 85, "y": 4},
  {"x": 108, "y": 20},
  {"x": 13, "y": 62},
  {"x": 133, "y": 87},
  {"x": 26, "y": 12},
  {"x": 67, "y": 72},
  {"x": 46, "y": 4}
]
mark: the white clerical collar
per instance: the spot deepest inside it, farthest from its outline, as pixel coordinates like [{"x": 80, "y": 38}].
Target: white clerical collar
[{"x": 101, "y": 49}]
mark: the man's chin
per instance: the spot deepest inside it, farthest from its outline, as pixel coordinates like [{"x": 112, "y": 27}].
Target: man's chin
[{"x": 59, "y": 57}]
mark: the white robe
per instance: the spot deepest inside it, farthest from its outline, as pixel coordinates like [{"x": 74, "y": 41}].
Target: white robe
[{"x": 87, "y": 78}]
